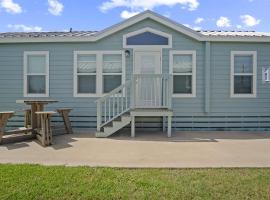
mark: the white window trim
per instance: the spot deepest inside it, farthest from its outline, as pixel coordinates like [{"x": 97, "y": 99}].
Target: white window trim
[
  {"x": 99, "y": 73},
  {"x": 151, "y": 30},
  {"x": 25, "y": 66},
  {"x": 254, "y": 89},
  {"x": 193, "y": 53}
]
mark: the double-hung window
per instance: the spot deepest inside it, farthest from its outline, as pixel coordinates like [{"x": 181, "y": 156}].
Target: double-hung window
[
  {"x": 183, "y": 70},
  {"x": 36, "y": 74},
  {"x": 243, "y": 73},
  {"x": 97, "y": 72},
  {"x": 112, "y": 71},
  {"x": 86, "y": 71}
]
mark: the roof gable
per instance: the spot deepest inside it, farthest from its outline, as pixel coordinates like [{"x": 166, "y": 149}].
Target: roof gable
[{"x": 154, "y": 16}]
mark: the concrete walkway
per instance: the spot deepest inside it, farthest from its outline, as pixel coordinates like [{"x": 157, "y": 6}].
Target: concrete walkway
[{"x": 184, "y": 149}]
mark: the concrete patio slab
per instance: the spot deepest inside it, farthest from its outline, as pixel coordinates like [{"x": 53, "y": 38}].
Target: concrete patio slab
[{"x": 151, "y": 149}]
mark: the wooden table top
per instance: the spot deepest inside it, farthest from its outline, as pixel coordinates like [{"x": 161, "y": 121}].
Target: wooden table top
[
  {"x": 41, "y": 101},
  {"x": 46, "y": 112},
  {"x": 7, "y": 112}
]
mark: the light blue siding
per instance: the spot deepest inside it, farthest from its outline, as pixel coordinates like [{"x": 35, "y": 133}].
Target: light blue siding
[{"x": 224, "y": 113}]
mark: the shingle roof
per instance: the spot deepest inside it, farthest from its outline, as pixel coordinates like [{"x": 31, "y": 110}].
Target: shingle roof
[
  {"x": 92, "y": 33},
  {"x": 46, "y": 34},
  {"x": 235, "y": 33}
]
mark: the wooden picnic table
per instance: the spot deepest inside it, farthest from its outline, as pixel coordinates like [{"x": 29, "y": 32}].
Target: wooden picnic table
[{"x": 37, "y": 105}]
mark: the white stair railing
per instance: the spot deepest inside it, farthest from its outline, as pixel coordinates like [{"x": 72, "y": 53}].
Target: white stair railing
[
  {"x": 113, "y": 104},
  {"x": 142, "y": 91}
]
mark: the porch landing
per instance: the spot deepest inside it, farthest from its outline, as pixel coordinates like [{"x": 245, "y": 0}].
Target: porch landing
[
  {"x": 149, "y": 149},
  {"x": 155, "y": 112}
]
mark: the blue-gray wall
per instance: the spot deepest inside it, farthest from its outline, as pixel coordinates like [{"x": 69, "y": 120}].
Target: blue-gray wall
[{"x": 225, "y": 113}]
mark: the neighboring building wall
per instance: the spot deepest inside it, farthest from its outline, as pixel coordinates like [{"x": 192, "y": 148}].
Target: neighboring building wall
[{"x": 189, "y": 112}]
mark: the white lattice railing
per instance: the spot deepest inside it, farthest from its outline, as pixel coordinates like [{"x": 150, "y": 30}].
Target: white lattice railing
[{"x": 142, "y": 91}]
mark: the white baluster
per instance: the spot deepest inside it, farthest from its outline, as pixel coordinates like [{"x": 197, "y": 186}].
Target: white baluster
[
  {"x": 164, "y": 91},
  {"x": 126, "y": 93},
  {"x": 122, "y": 101},
  {"x": 118, "y": 104},
  {"x": 113, "y": 104},
  {"x": 105, "y": 110},
  {"x": 109, "y": 108}
]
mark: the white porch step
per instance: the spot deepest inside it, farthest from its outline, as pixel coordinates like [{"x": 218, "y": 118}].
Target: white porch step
[{"x": 115, "y": 126}]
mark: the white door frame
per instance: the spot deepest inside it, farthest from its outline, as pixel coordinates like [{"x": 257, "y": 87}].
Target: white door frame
[{"x": 140, "y": 102}]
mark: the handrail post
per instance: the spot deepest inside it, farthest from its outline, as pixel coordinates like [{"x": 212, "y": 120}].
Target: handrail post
[
  {"x": 98, "y": 115},
  {"x": 170, "y": 91},
  {"x": 132, "y": 92}
]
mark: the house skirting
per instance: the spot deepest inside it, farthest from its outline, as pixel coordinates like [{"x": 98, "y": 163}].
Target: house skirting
[{"x": 179, "y": 123}]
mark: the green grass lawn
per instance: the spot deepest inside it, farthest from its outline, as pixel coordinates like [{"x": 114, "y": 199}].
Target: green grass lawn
[{"x": 41, "y": 182}]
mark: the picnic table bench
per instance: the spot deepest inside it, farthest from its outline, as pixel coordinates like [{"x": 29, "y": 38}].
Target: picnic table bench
[
  {"x": 64, "y": 112},
  {"x": 36, "y": 121},
  {"x": 4, "y": 117}
]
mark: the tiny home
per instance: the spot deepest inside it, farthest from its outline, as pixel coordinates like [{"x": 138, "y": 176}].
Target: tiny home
[{"x": 148, "y": 71}]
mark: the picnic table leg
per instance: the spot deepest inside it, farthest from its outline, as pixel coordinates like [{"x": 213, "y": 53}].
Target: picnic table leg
[
  {"x": 40, "y": 107},
  {"x": 35, "y": 119},
  {"x": 27, "y": 118},
  {"x": 64, "y": 114},
  {"x": 34, "y": 116},
  {"x": 46, "y": 132}
]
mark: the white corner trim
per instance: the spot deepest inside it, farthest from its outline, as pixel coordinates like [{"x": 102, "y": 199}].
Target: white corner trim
[
  {"x": 194, "y": 76},
  {"x": 99, "y": 74},
  {"x": 25, "y": 73},
  {"x": 254, "y": 84},
  {"x": 151, "y": 30}
]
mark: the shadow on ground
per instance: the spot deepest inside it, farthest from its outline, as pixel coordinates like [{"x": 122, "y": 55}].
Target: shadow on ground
[
  {"x": 191, "y": 136},
  {"x": 67, "y": 140}
]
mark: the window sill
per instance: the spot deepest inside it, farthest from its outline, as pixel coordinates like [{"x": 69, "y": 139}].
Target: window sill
[
  {"x": 243, "y": 95},
  {"x": 184, "y": 95},
  {"x": 36, "y": 95},
  {"x": 87, "y": 95}
]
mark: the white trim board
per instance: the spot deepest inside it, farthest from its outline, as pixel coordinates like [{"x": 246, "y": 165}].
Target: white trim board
[
  {"x": 25, "y": 73},
  {"x": 254, "y": 74},
  {"x": 133, "y": 20}
]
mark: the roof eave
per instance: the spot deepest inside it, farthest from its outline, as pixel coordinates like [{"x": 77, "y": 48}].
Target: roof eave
[
  {"x": 95, "y": 38},
  {"x": 236, "y": 39},
  {"x": 133, "y": 20}
]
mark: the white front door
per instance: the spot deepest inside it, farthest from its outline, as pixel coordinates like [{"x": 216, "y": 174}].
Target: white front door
[{"x": 148, "y": 88}]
